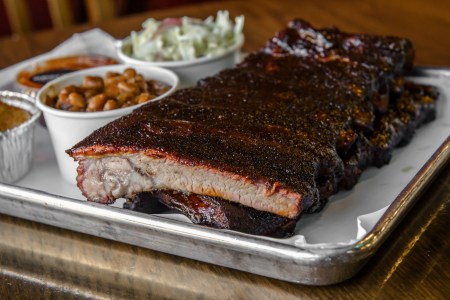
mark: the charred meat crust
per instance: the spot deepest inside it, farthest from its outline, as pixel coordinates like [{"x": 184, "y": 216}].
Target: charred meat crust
[
  {"x": 214, "y": 212},
  {"x": 293, "y": 123}
]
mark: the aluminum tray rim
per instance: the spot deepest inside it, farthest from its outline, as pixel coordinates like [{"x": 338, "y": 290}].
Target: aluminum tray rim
[{"x": 331, "y": 264}]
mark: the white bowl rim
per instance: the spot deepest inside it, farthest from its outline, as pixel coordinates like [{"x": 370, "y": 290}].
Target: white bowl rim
[
  {"x": 178, "y": 63},
  {"x": 102, "y": 114}
]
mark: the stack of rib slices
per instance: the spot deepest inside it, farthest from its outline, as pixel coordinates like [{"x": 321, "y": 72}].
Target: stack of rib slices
[{"x": 252, "y": 148}]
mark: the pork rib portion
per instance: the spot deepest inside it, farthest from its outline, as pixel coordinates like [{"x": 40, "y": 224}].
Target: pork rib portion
[
  {"x": 115, "y": 176},
  {"x": 277, "y": 135}
]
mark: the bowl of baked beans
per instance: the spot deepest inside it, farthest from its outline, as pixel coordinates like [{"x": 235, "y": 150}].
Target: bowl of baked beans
[{"x": 76, "y": 104}]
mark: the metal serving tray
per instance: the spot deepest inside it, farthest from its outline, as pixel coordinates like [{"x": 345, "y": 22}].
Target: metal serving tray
[{"x": 315, "y": 262}]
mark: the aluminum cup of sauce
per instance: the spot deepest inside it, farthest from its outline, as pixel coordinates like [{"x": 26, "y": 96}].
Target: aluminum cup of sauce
[{"x": 18, "y": 116}]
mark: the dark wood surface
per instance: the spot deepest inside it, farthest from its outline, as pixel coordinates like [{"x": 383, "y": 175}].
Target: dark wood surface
[{"x": 39, "y": 261}]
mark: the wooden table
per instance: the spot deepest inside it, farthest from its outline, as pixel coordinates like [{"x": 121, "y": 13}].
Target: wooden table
[{"x": 414, "y": 263}]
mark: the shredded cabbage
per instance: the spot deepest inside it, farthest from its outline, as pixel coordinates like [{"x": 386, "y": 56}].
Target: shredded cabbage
[{"x": 186, "y": 38}]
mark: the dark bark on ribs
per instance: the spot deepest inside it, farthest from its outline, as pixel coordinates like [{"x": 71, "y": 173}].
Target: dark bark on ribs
[
  {"x": 303, "y": 117},
  {"x": 415, "y": 106},
  {"x": 146, "y": 202},
  {"x": 387, "y": 56},
  {"x": 214, "y": 212}
]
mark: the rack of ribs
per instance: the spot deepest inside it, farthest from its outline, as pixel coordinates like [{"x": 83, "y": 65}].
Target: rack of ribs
[{"x": 252, "y": 148}]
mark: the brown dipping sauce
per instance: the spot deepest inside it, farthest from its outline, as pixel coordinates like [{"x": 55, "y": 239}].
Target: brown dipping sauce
[
  {"x": 50, "y": 69},
  {"x": 11, "y": 116}
]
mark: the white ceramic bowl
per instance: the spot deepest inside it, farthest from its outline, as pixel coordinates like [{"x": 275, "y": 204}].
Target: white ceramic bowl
[
  {"x": 16, "y": 144},
  {"x": 189, "y": 71},
  {"x": 68, "y": 128}
]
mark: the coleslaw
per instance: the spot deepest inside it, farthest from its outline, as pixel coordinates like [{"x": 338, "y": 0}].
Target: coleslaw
[{"x": 185, "y": 38}]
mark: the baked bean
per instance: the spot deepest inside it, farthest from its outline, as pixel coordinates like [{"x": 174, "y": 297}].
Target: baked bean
[
  {"x": 50, "y": 101},
  {"x": 125, "y": 97},
  {"x": 114, "y": 80},
  {"x": 140, "y": 82},
  {"x": 111, "y": 90},
  {"x": 128, "y": 87},
  {"x": 93, "y": 82},
  {"x": 96, "y": 102},
  {"x": 77, "y": 100},
  {"x": 144, "y": 97},
  {"x": 111, "y": 104},
  {"x": 129, "y": 73},
  {"x": 114, "y": 91},
  {"x": 69, "y": 89},
  {"x": 63, "y": 101}
]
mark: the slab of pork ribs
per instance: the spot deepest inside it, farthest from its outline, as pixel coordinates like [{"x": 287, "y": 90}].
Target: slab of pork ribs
[{"x": 252, "y": 148}]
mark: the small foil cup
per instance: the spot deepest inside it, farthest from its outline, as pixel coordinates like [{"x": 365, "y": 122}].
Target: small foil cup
[{"x": 16, "y": 144}]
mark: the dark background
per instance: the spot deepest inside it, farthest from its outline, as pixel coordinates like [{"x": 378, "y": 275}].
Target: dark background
[{"x": 40, "y": 16}]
